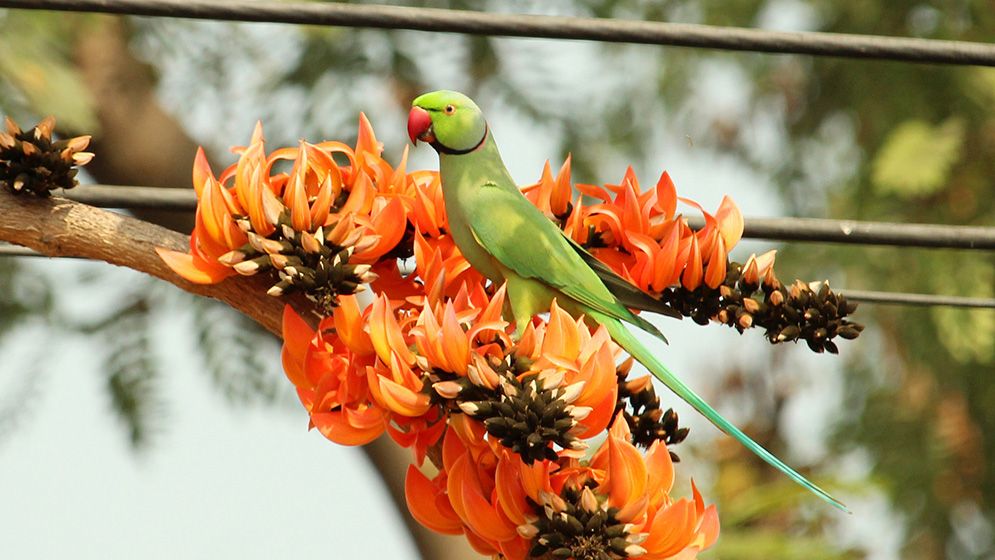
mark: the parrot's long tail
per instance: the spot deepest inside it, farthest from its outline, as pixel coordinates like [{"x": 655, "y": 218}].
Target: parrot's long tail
[{"x": 631, "y": 344}]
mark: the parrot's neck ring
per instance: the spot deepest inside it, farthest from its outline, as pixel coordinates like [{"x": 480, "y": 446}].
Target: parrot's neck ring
[{"x": 442, "y": 149}]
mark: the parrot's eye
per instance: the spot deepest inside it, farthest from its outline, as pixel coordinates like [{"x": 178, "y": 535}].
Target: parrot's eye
[{"x": 450, "y": 109}]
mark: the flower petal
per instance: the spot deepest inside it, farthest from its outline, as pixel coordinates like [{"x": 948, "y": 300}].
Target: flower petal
[
  {"x": 192, "y": 268},
  {"x": 297, "y": 337},
  {"x": 336, "y": 427},
  {"x": 422, "y": 497},
  {"x": 403, "y": 400}
]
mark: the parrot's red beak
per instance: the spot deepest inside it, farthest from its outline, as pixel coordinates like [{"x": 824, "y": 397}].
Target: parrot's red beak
[{"x": 420, "y": 126}]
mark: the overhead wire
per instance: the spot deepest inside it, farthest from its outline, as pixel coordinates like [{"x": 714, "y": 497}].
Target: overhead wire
[
  {"x": 854, "y": 232},
  {"x": 863, "y": 296},
  {"x": 906, "y": 49}
]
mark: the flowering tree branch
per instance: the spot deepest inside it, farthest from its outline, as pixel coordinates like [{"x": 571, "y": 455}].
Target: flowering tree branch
[
  {"x": 62, "y": 228},
  {"x": 504, "y": 421}
]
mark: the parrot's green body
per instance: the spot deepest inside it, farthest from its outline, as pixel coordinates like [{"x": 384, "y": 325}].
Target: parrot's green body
[{"x": 510, "y": 241}]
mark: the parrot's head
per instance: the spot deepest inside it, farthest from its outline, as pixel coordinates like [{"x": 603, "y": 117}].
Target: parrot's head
[{"x": 448, "y": 120}]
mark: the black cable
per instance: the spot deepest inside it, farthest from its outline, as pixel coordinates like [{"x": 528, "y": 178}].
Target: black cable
[
  {"x": 777, "y": 229},
  {"x": 870, "y": 297},
  {"x": 854, "y": 232},
  {"x": 550, "y": 27},
  {"x": 899, "y": 298},
  {"x": 145, "y": 198}
]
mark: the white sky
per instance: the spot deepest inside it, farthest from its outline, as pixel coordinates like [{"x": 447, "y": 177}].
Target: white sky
[{"x": 218, "y": 481}]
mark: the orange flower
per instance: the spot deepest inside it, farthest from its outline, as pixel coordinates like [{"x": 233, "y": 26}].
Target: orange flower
[
  {"x": 506, "y": 424},
  {"x": 618, "y": 503},
  {"x": 760, "y": 268},
  {"x": 470, "y": 464},
  {"x": 321, "y": 227},
  {"x": 214, "y": 234},
  {"x": 444, "y": 344},
  {"x": 427, "y": 207},
  {"x": 639, "y": 234},
  {"x": 330, "y": 380},
  {"x": 428, "y": 502},
  {"x": 630, "y": 491},
  {"x": 550, "y": 195},
  {"x": 442, "y": 268},
  {"x": 565, "y": 350},
  {"x": 421, "y": 363}
]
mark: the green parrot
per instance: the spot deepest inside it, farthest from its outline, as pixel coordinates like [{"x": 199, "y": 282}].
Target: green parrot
[{"x": 510, "y": 241}]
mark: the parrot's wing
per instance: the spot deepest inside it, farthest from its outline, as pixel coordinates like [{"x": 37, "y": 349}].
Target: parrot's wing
[
  {"x": 624, "y": 291},
  {"x": 521, "y": 238}
]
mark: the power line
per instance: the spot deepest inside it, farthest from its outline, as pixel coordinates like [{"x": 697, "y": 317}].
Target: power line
[
  {"x": 855, "y": 232},
  {"x": 550, "y": 27},
  {"x": 900, "y": 298},
  {"x": 871, "y": 297},
  {"x": 144, "y": 198},
  {"x": 7, "y": 250},
  {"x": 776, "y": 229}
]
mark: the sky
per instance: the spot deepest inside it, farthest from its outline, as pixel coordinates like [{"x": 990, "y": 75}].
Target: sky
[{"x": 218, "y": 481}]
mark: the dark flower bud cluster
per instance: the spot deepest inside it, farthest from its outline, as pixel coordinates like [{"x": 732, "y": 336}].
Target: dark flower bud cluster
[
  {"x": 531, "y": 415},
  {"x": 309, "y": 262},
  {"x": 30, "y": 161},
  {"x": 810, "y": 312},
  {"x": 640, "y": 406},
  {"x": 813, "y": 313},
  {"x": 577, "y": 525}
]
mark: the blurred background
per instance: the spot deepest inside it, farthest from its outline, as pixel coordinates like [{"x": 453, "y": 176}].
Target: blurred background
[{"x": 136, "y": 419}]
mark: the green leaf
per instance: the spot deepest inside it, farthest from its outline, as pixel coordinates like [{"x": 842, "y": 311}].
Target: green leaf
[
  {"x": 916, "y": 158},
  {"x": 966, "y": 333}
]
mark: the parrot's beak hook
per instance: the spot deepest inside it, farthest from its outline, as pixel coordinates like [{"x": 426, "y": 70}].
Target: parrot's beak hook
[{"x": 420, "y": 126}]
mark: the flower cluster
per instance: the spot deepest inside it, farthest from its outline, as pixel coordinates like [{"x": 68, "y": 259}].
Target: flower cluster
[
  {"x": 640, "y": 235},
  {"x": 418, "y": 363},
  {"x": 529, "y": 447},
  {"x": 507, "y": 425},
  {"x": 30, "y": 161},
  {"x": 614, "y": 504},
  {"x": 319, "y": 227}
]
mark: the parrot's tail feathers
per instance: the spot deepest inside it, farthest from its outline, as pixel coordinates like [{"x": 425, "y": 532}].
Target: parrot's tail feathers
[
  {"x": 631, "y": 344},
  {"x": 648, "y": 327}
]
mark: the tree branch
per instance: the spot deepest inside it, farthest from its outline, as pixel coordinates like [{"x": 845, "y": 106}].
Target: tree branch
[{"x": 62, "y": 228}]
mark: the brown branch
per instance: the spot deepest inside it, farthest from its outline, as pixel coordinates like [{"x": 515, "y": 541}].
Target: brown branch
[{"x": 62, "y": 228}]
